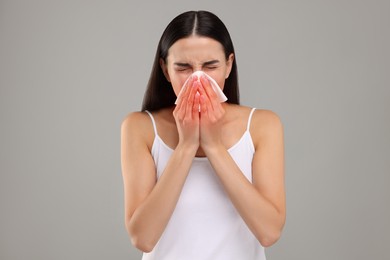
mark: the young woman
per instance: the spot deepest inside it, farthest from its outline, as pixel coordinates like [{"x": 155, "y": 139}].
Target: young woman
[{"x": 202, "y": 179}]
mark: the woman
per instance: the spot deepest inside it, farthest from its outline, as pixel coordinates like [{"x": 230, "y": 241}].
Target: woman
[{"x": 202, "y": 179}]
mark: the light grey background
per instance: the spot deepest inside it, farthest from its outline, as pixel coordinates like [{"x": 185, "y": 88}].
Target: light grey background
[{"x": 70, "y": 71}]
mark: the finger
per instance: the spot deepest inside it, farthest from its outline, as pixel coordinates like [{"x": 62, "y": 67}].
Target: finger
[
  {"x": 184, "y": 94},
  {"x": 212, "y": 96},
  {"x": 206, "y": 98},
  {"x": 203, "y": 108},
  {"x": 190, "y": 99},
  {"x": 208, "y": 88},
  {"x": 182, "y": 100},
  {"x": 186, "y": 86},
  {"x": 196, "y": 106},
  {"x": 206, "y": 107}
]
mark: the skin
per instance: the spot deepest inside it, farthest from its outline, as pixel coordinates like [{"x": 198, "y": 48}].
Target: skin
[{"x": 210, "y": 132}]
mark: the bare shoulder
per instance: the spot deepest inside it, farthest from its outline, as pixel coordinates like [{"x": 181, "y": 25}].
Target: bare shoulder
[
  {"x": 266, "y": 117},
  {"x": 136, "y": 122},
  {"x": 260, "y": 117},
  {"x": 266, "y": 124},
  {"x": 137, "y": 126}
]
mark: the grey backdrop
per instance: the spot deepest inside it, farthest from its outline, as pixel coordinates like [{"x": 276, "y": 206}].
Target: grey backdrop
[{"x": 70, "y": 71}]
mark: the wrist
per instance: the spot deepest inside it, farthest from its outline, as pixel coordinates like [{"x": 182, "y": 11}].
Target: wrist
[
  {"x": 187, "y": 149},
  {"x": 213, "y": 150}
]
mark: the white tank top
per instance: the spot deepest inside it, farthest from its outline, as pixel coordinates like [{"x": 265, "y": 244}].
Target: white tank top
[{"x": 205, "y": 224}]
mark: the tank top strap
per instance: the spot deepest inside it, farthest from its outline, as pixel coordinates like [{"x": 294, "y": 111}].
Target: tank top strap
[
  {"x": 250, "y": 118},
  {"x": 153, "y": 122}
]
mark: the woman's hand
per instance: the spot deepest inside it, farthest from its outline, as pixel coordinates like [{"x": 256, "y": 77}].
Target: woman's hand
[
  {"x": 186, "y": 114},
  {"x": 211, "y": 114}
]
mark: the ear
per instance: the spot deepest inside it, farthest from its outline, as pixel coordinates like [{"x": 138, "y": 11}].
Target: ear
[
  {"x": 229, "y": 65},
  {"x": 164, "y": 68}
]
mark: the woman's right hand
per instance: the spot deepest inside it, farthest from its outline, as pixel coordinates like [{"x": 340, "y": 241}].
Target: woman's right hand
[{"x": 186, "y": 114}]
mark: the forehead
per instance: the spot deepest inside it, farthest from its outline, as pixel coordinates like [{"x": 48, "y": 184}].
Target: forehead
[{"x": 195, "y": 48}]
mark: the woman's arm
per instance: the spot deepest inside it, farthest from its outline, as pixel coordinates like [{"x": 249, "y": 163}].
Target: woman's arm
[
  {"x": 261, "y": 204},
  {"x": 149, "y": 204}
]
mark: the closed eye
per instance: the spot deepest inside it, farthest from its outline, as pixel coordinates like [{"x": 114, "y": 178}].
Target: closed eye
[
  {"x": 182, "y": 69},
  {"x": 211, "y": 65},
  {"x": 180, "y": 66}
]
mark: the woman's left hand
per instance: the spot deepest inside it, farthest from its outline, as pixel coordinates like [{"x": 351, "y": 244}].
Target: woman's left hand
[{"x": 211, "y": 114}]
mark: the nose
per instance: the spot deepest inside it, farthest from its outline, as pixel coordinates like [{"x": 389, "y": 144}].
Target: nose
[
  {"x": 198, "y": 74},
  {"x": 197, "y": 69}
]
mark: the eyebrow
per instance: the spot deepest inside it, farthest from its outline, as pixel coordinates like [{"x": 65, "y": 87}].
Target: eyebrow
[
  {"x": 181, "y": 64},
  {"x": 212, "y": 62},
  {"x": 207, "y": 63}
]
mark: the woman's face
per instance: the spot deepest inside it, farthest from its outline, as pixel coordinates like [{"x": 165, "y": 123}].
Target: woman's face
[{"x": 195, "y": 53}]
